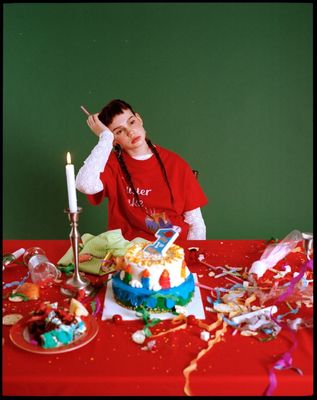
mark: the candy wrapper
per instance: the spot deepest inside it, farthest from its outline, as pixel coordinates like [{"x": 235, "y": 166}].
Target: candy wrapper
[{"x": 275, "y": 252}]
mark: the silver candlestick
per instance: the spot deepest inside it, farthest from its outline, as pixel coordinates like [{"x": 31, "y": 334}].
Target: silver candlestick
[
  {"x": 308, "y": 243},
  {"x": 76, "y": 281}
]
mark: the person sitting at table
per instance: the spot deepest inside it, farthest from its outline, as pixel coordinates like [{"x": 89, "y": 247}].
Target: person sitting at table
[{"x": 148, "y": 187}]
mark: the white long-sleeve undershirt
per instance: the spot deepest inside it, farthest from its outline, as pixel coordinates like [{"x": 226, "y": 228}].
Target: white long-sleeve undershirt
[
  {"x": 88, "y": 182},
  {"x": 88, "y": 177},
  {"x": 197, "y": 227}
]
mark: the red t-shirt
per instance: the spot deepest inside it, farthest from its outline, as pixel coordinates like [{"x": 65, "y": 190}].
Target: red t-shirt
[{"x": 123, "y": 211}]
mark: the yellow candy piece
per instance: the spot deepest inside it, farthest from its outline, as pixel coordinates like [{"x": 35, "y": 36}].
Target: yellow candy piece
[{"x": 77, "y": 308}]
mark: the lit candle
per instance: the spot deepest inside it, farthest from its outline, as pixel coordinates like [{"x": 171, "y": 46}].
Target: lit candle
[{"x": 71, "y": 186}]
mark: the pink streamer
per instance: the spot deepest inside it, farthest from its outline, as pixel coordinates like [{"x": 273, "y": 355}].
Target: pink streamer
[
  {"x": 205, "y": 287},
  {"x": 289, "y": 291},
  {"x": 286, "y": 361},
  {"x": 273, "y": 383}
]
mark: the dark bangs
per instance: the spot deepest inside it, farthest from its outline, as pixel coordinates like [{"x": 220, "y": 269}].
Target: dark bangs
[{"x": 112, "y": 109}]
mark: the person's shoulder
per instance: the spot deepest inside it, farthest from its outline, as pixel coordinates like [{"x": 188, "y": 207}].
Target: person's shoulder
[
  {"x": 112, "y": 163},
  {"x": 112, "y": 157},
  {"x": 171, "y": 158},
  {"x": 169, "y": 153}
]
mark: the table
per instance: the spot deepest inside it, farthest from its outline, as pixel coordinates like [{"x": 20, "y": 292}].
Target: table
[{"x": 112, "y": 364}]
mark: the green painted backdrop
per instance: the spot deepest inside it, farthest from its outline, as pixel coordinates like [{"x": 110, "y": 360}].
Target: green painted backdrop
[{"x": 227, "y": 86}]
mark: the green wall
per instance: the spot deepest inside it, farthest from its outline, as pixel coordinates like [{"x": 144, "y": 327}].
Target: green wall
[{"x": 227, "y": 86}]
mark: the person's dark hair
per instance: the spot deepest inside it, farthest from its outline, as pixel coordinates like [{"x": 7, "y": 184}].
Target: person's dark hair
[{"x": 113, "y": 108}]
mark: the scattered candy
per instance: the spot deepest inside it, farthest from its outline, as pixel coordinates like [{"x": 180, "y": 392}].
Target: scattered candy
[
  {"x": 15, "y": 298},
  {"x": 11, "y": 319},
  {"x": 204, "y": 335},
  {"x": 138, "y": 337},
  {"x": 117, "y": 318}
]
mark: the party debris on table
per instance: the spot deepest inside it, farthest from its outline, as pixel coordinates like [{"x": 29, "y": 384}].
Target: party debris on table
[{"x": 258, "y": 302}]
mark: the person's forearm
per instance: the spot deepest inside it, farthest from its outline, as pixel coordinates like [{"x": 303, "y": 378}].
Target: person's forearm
[
  {"x": 197, "y": 227},
  {"x": 88, "y": 177}
]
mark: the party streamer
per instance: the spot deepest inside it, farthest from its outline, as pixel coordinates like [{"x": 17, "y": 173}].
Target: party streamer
[
  {"x": 193, "y": 364},
  {"x": 16, "y": 283},
  {"x": 286, "y": 361}
]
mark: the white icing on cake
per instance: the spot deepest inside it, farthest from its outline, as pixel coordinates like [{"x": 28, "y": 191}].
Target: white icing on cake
[{"x": 138, "y": 261}]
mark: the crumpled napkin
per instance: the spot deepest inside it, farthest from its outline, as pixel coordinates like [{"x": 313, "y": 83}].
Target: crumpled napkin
[{"x": 98, "y": 246}]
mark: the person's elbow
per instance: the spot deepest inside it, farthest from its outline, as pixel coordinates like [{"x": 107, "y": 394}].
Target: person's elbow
[{"x": 83, "y": 186}]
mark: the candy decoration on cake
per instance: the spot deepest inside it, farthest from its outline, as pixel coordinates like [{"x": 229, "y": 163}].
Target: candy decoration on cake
[
  {"x": 127, "y": 276},
  {"x": 183, "y": 270},
  {"x": 164, "y": 280},
  {"x": 145, "y": 280},
  {"x": 165, "y": 238}
]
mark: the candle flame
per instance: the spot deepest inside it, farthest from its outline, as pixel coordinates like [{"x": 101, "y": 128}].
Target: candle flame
[{"x": 68, "y": 157}]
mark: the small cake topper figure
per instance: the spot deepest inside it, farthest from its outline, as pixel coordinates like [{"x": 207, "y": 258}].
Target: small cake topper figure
[{"x": 165, "y": 238}]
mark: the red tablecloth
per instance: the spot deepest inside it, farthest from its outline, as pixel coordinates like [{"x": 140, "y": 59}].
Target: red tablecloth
[{"x": 112, "y": 364}]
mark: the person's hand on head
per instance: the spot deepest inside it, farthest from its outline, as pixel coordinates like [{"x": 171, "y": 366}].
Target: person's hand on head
[{"x": 94, "y": 123}]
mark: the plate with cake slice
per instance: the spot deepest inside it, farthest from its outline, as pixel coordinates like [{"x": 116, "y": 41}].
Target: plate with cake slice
[{"x": 51, "y": 329}]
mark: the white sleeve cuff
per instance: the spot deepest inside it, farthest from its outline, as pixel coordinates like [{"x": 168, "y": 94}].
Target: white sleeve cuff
[{"x": 197, "y": 227}]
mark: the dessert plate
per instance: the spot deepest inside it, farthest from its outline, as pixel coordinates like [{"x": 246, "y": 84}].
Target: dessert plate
[{"x": 20, "y": 337}]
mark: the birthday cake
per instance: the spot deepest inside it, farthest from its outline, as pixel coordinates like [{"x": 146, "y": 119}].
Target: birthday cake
[
  {"x": 51, "y": 326},
  {"x": 158, "y": 280}
]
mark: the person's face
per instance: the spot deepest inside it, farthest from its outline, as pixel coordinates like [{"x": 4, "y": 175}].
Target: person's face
[{"x": 128, "y": 131}]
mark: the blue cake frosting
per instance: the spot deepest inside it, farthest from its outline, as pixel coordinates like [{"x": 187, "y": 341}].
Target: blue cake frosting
[{"x": 161, "y": 300}]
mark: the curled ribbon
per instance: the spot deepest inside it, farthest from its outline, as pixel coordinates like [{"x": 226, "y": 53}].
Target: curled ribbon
[
  {"x": 285, "y": 362},
  {"x": 193, "y": 364},
  {"x": 16, "y": 283}
]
